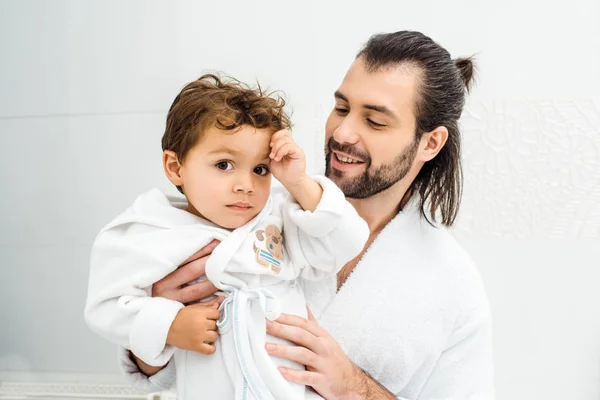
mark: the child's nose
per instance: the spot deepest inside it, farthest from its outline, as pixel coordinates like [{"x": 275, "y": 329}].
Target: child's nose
[{"x": 244, "y": 184}]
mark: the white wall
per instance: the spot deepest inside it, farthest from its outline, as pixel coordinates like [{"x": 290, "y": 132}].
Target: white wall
[{"x": 84, "y": 89}]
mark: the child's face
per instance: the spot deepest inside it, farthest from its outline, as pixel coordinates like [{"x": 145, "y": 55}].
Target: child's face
[{"x": 226, "y": 177}]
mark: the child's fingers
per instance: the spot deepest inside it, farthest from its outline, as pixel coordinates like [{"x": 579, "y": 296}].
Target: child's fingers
[
  {"x": 280, "y": 134},
  {"x": 286, "y": 150},
  {"x": 280, "y": 140},
  {"x": 211, "y": 325},
  {"x": 292, "y": 151},
  {"x": 208, "y": 312},
  {"x": 211, "y": 336},
  {"x": 206, "y": 348},
  {"x": 278, "y": 145}
]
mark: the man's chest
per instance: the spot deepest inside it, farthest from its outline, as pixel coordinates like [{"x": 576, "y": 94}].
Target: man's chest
[
  {"x": 385, "y": 322},
  {"x": 371, "y": 333},
  {"x": 346, "y": 271}
]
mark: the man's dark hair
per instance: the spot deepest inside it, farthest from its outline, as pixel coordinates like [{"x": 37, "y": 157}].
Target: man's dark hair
[{"x": 441, "y": 90}]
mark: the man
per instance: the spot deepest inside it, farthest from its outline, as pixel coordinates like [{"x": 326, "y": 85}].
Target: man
[{"x": 408, "y": 318}]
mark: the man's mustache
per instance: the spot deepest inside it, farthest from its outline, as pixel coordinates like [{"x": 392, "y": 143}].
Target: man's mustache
[{"x": 348, "y": 149}]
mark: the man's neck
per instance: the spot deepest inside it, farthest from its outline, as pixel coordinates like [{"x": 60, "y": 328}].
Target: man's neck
[
  {"x": 377, "y": 210},
  {"x": 381, "y": 208}
]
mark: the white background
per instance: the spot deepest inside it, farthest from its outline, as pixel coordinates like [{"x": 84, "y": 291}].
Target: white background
[{"x": 84, "y": 90}]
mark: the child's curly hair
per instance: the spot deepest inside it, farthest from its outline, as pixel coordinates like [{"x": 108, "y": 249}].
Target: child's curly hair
[{"x": 225, "y": 103}]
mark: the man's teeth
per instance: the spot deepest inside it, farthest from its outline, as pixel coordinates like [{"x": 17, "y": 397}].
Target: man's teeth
[{"x": 346, "y": 160}]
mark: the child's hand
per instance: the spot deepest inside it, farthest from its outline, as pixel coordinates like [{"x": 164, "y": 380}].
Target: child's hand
[
  {"x": 288, "y": 163},
  {"x": 195, "y": 328}
]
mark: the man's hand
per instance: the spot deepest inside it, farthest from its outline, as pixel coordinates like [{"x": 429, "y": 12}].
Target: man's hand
[
  {"x": 172, "y": 286},
  {"x": 195, "y": 327},
  {"x": 328, "y": 370}
]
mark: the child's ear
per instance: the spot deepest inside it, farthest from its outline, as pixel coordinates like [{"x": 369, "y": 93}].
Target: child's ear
[{"x": 172, "y": 167}]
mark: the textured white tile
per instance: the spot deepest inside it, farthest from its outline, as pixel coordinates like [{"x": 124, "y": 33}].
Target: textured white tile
[{"x": 532, "y": 169}]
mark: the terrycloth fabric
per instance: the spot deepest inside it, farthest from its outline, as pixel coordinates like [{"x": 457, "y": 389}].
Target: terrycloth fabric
[
  {"x": 414, "y": 314},
  {"x": 257, "y": 265}
]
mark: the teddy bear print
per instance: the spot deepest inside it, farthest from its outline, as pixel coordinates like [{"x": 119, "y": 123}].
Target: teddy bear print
[{"x": 268, "y": 247}]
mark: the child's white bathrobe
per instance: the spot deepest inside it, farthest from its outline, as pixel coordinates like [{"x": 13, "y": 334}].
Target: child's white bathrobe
[
  {"x": 414, "y": 314},
  {"x": 257, "y": 265}
]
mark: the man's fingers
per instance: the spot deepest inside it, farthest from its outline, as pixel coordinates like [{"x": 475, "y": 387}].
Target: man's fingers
[
  {"x": 219, "y": 300},
  {"x": 214, "y": 303},
  {"x": 206, "y": 250},
  {"x": 181, "y": 276},
  {"x": 307, "y": 378},
  {"x": 309, "y": 325},
  {"x": 298, "y": 354},
  {"x": 190, "y": 270},
  {"x": 311, "y": 317},
  {"x": 295, "y": 335},
  {"x": 196, "y": 292}
]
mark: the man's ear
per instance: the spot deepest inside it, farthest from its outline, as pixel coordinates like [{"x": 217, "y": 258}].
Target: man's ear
[
  {"x": 172, "y": 167},
  {"x": 432, "y": 143}
]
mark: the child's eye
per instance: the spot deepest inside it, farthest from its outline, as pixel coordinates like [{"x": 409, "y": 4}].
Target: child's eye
[
  {"x": 224, "y": 165},
  {"x": 261, "y": 170}
]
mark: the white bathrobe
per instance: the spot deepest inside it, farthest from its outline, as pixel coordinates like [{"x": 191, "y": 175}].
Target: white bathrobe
[
  {"x": 256, "y": 265},
  {"x": 413, "y": 314}
]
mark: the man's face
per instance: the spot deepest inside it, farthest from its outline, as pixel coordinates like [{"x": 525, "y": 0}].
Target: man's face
[{"x": 370, "y": 141}]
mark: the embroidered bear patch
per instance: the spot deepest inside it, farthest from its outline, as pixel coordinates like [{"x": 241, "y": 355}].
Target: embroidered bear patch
[{"x": 268, "y": 247}]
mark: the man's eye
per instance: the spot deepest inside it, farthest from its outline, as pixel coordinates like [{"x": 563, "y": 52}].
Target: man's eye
[
  {"x": 261, "y": 170},
  {"x": 375, "y": 124},
  {"x": 224, "y": 165}
]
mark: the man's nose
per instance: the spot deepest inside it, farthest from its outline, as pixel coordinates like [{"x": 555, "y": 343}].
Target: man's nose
[{"x": 347, "y": 131}]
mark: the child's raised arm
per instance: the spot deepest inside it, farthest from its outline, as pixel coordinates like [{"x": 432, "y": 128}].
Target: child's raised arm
[{"x": 288, "y": 166}]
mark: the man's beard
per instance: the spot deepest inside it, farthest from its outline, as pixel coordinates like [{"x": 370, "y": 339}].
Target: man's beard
[{"x": 371, "y": 181}]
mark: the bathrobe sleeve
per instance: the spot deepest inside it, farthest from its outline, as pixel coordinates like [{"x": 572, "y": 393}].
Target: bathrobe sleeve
[
  {"x": 464, "y": 371},
  {"x": 320, "y": 243},
  {"x": 162, "y": 380},
  {"x": 123, "y": 268}
]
